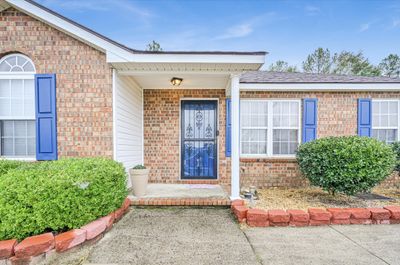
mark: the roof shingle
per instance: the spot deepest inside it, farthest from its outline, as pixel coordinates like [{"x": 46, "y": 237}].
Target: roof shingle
[{"x": 284, "y": 77}]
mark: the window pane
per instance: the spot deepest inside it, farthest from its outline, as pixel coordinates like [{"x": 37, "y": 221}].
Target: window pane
[
  {"x": 254, "y": 141},
  {"x": 4, "y": 107},
  {"x": 385, "y": 135},
  {"x": 393, "y": 107},
  {"x": 285, "y": 142},
  {"x": 7, "y": 147},
  {"x": 7, "y": 129},
  {"x": 17, "y": 107},
  {"x": 20, "y": 146},
  {"x": 18, "y": 138},
  {"x": 31, "y": 146},
  {"x": 285, "y": 114},
  {"x": 12, "y": 60},
  {"x": 29, "y": 67},
  {"x": 385, "y": 114},
  {"x": 4, "y": 88},
  {"x": 31, "y": 129},
  {"x": 4, "y": 67}
]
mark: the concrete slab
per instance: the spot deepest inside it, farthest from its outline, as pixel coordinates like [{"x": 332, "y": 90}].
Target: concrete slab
[
  {"x": 320, "y": 245},
  {"x": 381, "y": 240},
  {"x": 174, "y": 236},
  {"x": 203, "y": 191}
]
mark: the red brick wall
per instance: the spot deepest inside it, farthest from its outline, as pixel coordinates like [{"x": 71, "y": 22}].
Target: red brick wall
[
  {"x": 337, "y": 116},
  {"x": 84, "y": 82},
  {"x": 161, "y": 133}
]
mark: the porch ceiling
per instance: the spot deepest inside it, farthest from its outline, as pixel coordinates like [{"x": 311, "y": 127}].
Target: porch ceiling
[
  {"x": 190, "y": 81},
  {"x": 194, "y": 75}
]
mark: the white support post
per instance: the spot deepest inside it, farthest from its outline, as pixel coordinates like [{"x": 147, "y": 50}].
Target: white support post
[{"x": 235, "y": 141}]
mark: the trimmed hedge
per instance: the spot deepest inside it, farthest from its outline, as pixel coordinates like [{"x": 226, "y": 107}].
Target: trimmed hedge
[
  {"x": 348, "y": 164},
  {"x": 396, "y": 149},
  {"x": 6, "y": 165},
  {"x": 58, "y": 195}
]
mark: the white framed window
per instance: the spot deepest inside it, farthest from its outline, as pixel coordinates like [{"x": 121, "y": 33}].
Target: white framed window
[
  {"x": 269, "y": 128},
  {"x": 17, "y": 107},
  {"x": 386, "y": 120}
]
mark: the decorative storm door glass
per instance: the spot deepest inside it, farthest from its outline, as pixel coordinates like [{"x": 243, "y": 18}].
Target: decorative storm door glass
[{"x": 199, "y": 139}]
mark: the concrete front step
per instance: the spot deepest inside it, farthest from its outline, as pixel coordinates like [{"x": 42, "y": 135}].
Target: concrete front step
[
  {"x": 159, "y": 194},
  {"x": 180, "y": 202}
]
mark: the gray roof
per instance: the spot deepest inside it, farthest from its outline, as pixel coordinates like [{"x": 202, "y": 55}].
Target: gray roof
[{"x": 283, "y": 77}]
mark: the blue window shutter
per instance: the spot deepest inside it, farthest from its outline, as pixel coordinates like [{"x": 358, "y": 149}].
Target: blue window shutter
[
  {"x": 228, "y": 129},
  {"x": 309, "y": 119},
  {"x": 46, "y": 117},
  {"x": 364, "y": 117}
]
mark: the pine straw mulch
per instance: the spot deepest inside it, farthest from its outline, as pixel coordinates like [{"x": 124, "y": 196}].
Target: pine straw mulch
[{"x": 275, "y": 198}]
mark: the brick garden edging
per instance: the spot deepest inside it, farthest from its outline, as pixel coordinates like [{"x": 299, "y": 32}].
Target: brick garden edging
[
  {"x": 36, "y": 248},
  {"x": 315, "y": 216}
]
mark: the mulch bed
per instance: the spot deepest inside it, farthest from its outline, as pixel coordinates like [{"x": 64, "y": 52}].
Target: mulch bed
[{"x": 277, "y": 198}]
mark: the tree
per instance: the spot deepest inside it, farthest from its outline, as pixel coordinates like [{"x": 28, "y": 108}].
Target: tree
[
  {"x": 318, "y": 62},
  {"x": 282, "y": 66},
  {"x": 390, "y": 65},
  {"x": 154, "y": 47},
  {"x": 349, "y": 63}
]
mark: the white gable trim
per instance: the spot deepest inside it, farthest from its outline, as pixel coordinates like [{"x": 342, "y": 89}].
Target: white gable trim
[{"x": 321, "y": 87}]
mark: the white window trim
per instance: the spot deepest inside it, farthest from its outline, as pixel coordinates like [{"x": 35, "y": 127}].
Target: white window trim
[
  {"x": 18, "y": 76},
  {"x": 269, "y": 153},
  {"x": 398, "y": 116}
]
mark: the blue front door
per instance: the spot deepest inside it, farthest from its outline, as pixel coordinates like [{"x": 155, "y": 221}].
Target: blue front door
[{"x": 199, "y": 139}]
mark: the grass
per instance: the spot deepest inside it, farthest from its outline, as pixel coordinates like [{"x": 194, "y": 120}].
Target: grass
[{"x": 276, "y": 198}]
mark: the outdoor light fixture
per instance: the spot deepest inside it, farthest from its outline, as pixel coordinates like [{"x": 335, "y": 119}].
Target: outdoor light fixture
[{"x": 176, "y": 81}]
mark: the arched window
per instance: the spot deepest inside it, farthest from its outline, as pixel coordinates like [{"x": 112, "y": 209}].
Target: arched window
[{"x": 17, "y": 107}]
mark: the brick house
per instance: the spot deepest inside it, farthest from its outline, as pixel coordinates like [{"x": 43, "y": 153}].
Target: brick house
[{"x": 68, "y": 91}]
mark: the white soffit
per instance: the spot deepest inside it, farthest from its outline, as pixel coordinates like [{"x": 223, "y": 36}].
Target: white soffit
[
  {"x": 133, "y": 68},
  {"x": 337, "y": 87}
]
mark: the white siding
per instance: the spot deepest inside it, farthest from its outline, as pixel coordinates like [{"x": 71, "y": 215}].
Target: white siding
[{"x": 128, "y": 120}]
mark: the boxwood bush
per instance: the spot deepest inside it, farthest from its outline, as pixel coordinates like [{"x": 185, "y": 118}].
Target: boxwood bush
[
  {"x": 396, "y": 149},
  {"x": 58, "y": 195},
  {"x": 348, "y": 164}
]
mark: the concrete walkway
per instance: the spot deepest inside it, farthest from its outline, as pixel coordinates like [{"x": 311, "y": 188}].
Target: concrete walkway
[
  {"x": 369, "y": 244},
  {"x": 177, "y": 235},
  {"x": 174, "y": 236}
]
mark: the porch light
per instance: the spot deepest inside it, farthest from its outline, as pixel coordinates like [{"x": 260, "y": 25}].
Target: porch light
[{"x": 176, "y": 81}]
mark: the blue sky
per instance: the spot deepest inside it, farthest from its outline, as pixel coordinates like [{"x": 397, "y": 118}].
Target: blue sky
[{"x": 289, "y": 30}]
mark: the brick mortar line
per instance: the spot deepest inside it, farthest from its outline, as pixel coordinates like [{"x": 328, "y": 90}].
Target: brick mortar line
[{"x": 355, "y": 242}]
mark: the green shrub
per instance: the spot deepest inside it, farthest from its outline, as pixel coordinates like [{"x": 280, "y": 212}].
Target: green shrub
[
  {"x": 349, "y": 164},
  {"x": 396, "y": 149},
  {"x": 139, "y": 167},
  {"x": 6, "y": 165},
  {"x": 59, "y": 195}
]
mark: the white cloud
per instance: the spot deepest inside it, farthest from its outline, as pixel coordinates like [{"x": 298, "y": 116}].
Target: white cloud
[
  {"x": 237, "y": 31},
  {"x": 98, "y": 5},
  {"x": 365, "y": 27},
  {"x": 246, "y": 28},
  {"x": 312, "y": 10},
  {"x": 396, "y": 23}
]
